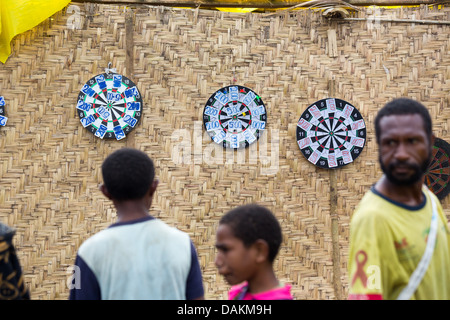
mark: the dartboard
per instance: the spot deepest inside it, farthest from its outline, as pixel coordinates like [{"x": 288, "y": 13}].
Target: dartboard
[
  {"x": 3, "y": 118},
  {"x": 437, "y": 177},
  {"x": 234, "y": 117},
  {"x": 331, "y": 133},
  {"x": 109, "y": 105}
]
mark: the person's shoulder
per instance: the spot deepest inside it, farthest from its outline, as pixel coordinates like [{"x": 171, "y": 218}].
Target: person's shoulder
[
  {"x": 431, "y": 195},
  {"x": 95, "y": 240},
  {"x": 235, "y": 290},
  {"x": 369, "y": 203},
  {"x": 283, "y": 292},
  {"x": 372, "y": 208},
  {"x": 167, "y": 227},
  {"x": 238, "y": 287},
  {"x": 165, "y": 230},
  {"x": 438, "y": 205}
]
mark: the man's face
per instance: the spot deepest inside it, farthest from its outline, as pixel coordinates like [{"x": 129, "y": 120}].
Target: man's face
[{"x": 405, "y": 148}]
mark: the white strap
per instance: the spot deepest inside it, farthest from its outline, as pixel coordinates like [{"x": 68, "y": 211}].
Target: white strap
[{"x": 418, "y": 274}]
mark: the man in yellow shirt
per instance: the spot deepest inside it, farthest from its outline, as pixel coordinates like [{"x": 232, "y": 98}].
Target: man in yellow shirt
[{"x": 399, "y": 236}]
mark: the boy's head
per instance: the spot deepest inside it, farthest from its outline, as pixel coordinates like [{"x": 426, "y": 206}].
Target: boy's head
[
  {"x": 248, "y": 236},
  {"x": 128, "y": 174}
]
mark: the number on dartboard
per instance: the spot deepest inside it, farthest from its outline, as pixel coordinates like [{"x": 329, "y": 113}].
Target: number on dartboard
[
  {"x": 234, "y": 117},
  {"x": 331, "y": 133},
  {"x": 109, "y": 105}
]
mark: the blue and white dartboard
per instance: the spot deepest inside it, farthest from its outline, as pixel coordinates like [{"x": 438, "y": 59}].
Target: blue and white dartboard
[
  {"x": 234, "y": 117},
  {"x": 109, "y": 105},
  {"x": 3, "y": 118}
]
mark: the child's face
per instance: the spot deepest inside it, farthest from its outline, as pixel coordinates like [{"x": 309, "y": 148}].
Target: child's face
[{"x": 233, "y": 260}]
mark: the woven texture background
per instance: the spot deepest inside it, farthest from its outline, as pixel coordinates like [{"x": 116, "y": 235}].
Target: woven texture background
[{"x": 50, "y": 164}]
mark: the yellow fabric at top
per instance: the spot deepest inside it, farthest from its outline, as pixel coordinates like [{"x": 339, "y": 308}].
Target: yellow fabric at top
[
  {"x": 17, "y": 16},
  {"x": 238, "y": 10}
]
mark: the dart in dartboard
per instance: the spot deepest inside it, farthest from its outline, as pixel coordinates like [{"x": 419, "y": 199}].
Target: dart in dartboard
[
  {"x": 234, "y": 117},
  {"x": 109, "y": 105},
  {"x": 437, "y": 177},
  {"x": 331, "y": 133}
]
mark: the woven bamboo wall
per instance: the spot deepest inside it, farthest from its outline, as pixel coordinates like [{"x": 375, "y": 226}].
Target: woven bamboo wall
[{"x": 49, "y": 164}]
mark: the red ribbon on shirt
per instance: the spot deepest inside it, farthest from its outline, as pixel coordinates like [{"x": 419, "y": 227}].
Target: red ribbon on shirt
[{"x": 360, "y": 268}]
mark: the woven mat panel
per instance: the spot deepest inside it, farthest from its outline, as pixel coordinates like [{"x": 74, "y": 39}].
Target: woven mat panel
[{"x": 50, "y": 164}]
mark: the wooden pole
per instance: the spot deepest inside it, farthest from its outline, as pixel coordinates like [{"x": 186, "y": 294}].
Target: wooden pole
[
  {"x": 337, "y": 284},
  {"x": 129, "y": 60}
]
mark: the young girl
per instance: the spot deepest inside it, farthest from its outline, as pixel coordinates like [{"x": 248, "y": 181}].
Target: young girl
[{"x": 248, "y": 240}]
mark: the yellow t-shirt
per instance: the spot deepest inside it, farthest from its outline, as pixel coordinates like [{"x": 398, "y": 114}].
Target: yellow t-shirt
[{"x": 387, "y": 241}]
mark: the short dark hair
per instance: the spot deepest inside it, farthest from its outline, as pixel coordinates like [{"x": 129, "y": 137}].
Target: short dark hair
[
  {"x": 403, "y": 106},
  {"x": 252, "y": 222},
  {"x": 128, "y": 174}
]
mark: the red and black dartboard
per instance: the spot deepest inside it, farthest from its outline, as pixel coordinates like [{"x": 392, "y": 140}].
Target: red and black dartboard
[
  {"x": 109, "y": 105},
  {"x": 331, "y": 133},
  {"x": 437, "y": 177}
]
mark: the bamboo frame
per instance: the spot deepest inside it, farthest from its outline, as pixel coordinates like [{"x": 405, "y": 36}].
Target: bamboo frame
[
  {"x": 400, "y": 21},
  {"x": 260, "y": 4}
]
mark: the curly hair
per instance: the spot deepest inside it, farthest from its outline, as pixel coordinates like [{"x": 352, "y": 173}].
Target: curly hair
[
  {"x": 128, "y": 174},
  {"x": 252, "y": 222},
  {"x": 403, "y": 106}
]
